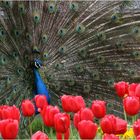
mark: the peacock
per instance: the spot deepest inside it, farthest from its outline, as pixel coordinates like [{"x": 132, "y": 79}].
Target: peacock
[{"x": 68, "y": 47}]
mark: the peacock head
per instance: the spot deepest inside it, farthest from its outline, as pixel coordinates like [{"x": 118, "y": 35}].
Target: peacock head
[{"x": 37, "y": 63}]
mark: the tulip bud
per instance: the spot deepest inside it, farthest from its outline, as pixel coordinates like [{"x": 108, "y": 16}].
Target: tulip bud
[
  {"x": 98, "y": 108},
  {"x": 9, "y": 112},
  {"x": 121, "y": 88},
  {"x": 41, "y": 101},
  {"x": 136, "y": 127},
  {"x": 48, "y": 115},
  {"x": 110, "y": 137},
  {"x": 83, "y": 114},
  {"x": 61, "y": 122},
  {"x": 131, "y": 105},
  {"x": 87, "y": 129},
  {"x": 28, "y": 108},
  {"x": 39, "y": 136},
  {"x": 113, "y": 125},
  {"x": 9, "y": 128}
]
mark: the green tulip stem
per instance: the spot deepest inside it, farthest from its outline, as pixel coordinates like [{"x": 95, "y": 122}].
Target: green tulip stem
[
  {"x": 30, "y": 126},
  {"x": 125, "y": 117},
  {"x": 42, "y": 127},
  {"x": 71, "y": 131},
  {"x": 133, "y": 119},
  {"x": 51, "y": 132}
]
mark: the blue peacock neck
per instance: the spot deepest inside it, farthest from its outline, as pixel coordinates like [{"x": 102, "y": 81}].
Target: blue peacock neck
[
  {"x": 40, "y": 87},
  {"x": 37, "y": 75}
]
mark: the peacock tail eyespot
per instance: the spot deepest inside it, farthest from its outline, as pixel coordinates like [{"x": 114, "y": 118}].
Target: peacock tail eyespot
[
  {"x": 36, "y": 17},
  {"x": 28, "y": 37},
  {"x": 52, "y": 8},
  {"x": 7, "y": 4},
  {"x": 2, "y": 32},
  {"x": 44, "y": 38},
  {"x": 21, "y": 9},
  {"x": 62, "y": 32},
  {"x": 73, "y": 6},
  {"x": 80, "y": 28}
]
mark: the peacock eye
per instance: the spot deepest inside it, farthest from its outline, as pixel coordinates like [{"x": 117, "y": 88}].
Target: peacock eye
[
  {"x": 36, "y": 17},
  {"x": 21, "y": 8},
  {"x": 62, "y": 32},
  {"x": 52, "y": 8},
  {"x": 136, "y": 54},
  {"x": 28, "y": 37},
  {"x": 14, "y": 90},
  {"x": 3, "y": 60},
  {"x": 109, "y": 105},
  {"x": 136, "y": 30},
  {"x": 97, "y": 96},
  {"x": 101, "y": 36},
  {"x": 74, "y": 6},
  {"x": 114, "y": 17},
  {"x": 9, "y": 79},
  {"x": 16, "y": 33},
  {"x": 44, "y": 38},
  {"x": 2, "y": 34},
  {"x": 46, "y": 55},
  {"x": 110, "y": 82},
  {"x": 8, "y": 4},
  {"x": 80, "y": 28},
  {"x": 15, "y": 55}
]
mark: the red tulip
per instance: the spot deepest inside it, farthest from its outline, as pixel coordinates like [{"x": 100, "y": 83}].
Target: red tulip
[
  {"x": 49, "y": 113},
  {"x": 108, "y": 124},
  {"x": 67, "y": 135},
  {"x": 80, "y": 103},
  {"x": 138, "y": 137},
  {"x": 121, "y": 88},
  {"x": 110, "y": 137},
  {"x": 39, "y": 136},
  {"x": 28, "y": 108},
  {"x": 9, "y": 128},
  {"x": 113, "y": 125},
  {"x": 72, "y": 103},
  {"x": 9, "y": 112},
  {"x": 41, "y": 101},
  {"x": 136, "y": 127},
  {"x": 65, "y": 103},
  {"x": 137, "y": 91},
  {"x": 60, "y": 135},
  {"x": 131, "y": 105},
  {"x": 87, "y": 129},
  {"x": 121, "y": 126},
  {"x": 132, "y": 89},
  {"x": 83, "y": 114},
  {"x": 61, "y": 122},
  {"x": 98, "y": 108}
]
